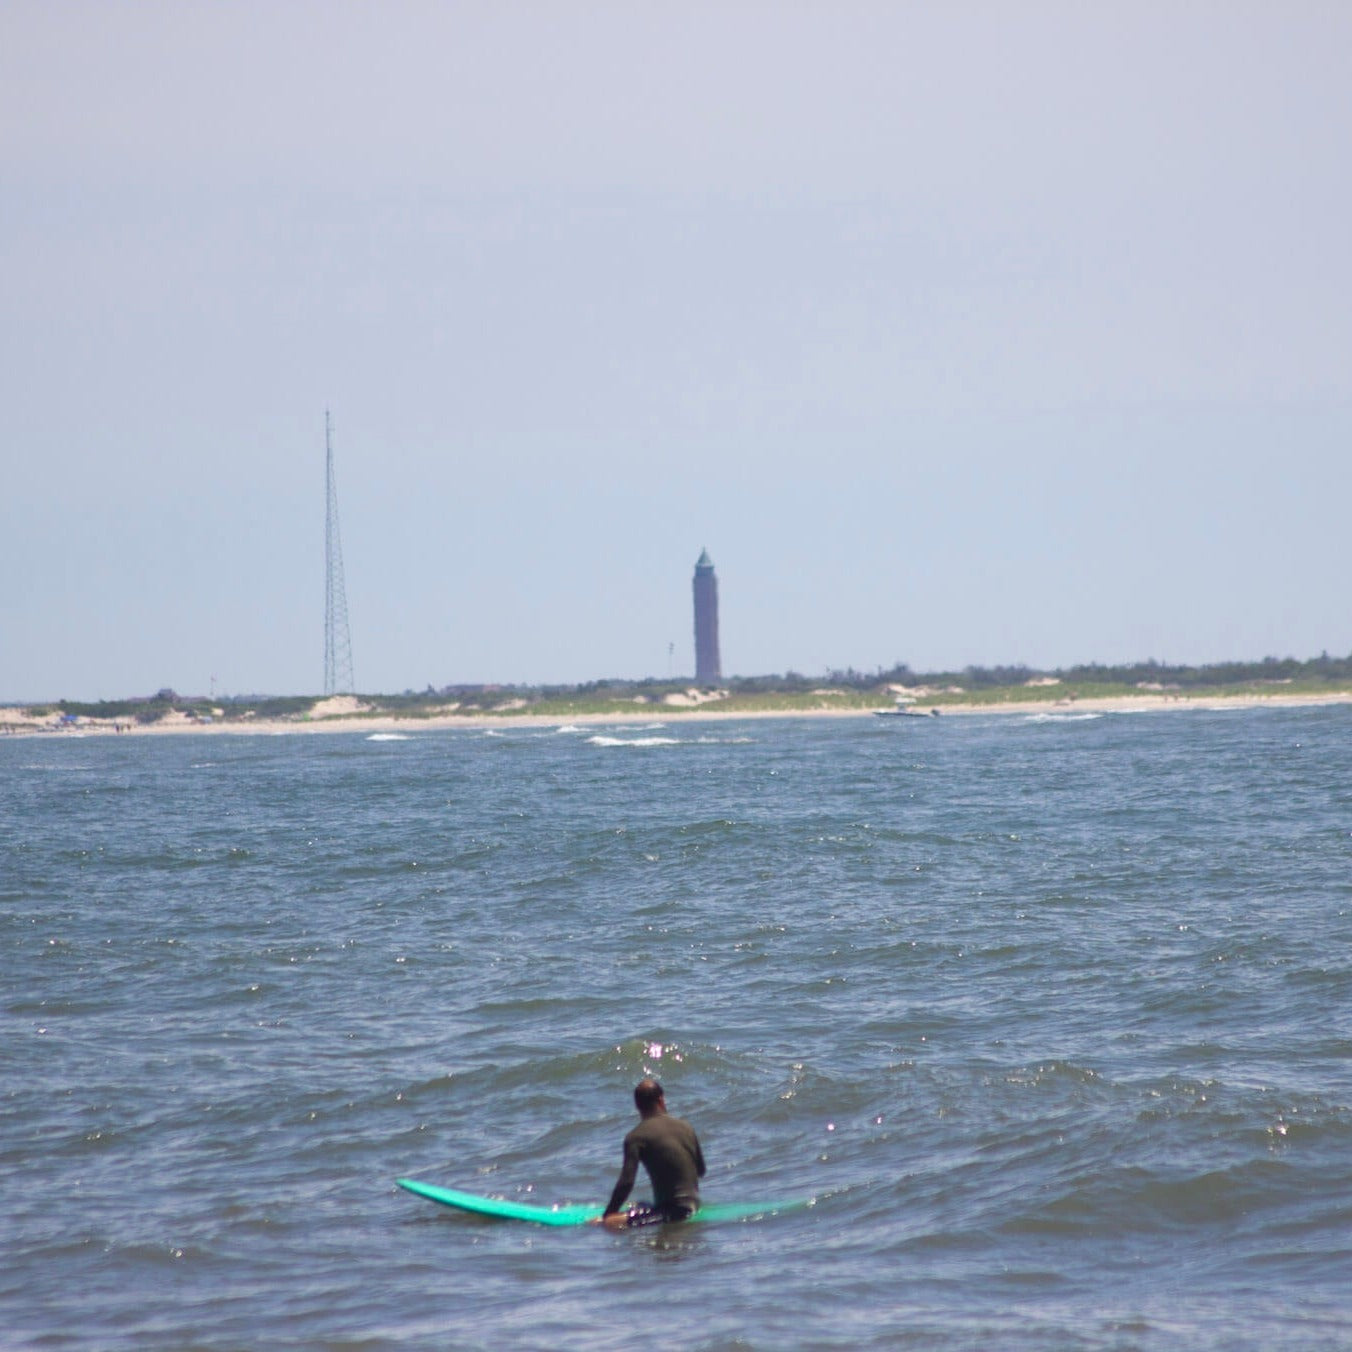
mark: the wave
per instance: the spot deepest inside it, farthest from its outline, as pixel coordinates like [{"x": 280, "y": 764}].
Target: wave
[
  {"x": 389, "y": 737},
  {"x": 633, "y": 741},
  {"x": 1061, "y": 718}
]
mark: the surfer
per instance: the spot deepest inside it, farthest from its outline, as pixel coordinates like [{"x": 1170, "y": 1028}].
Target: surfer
[{"x": 668, "y": 1149}]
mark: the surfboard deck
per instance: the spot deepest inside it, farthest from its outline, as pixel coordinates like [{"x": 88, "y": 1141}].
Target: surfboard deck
[{"x": 578, "y": 1214}]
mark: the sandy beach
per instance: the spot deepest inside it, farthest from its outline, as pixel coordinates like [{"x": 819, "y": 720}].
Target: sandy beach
[{"x": 346, "y": 714}]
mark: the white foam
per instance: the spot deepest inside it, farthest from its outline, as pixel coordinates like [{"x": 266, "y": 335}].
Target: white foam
[
  {"x": 389, "y": 737},
  {"x": 633, "y": 741},
  {"x": 1061, "y": 718}
]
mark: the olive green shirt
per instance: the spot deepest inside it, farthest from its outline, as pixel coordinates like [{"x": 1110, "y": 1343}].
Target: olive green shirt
[{"x": 668, "y": 1149}]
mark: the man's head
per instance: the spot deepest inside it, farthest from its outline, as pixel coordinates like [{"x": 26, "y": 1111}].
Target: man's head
[{"x": 648, "y": 1098}]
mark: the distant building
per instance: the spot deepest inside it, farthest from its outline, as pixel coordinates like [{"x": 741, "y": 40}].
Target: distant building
[{"x": 708, "y": 667}]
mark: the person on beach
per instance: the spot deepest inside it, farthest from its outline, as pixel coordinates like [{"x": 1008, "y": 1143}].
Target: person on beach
[{"x": 669, "y": 1150}]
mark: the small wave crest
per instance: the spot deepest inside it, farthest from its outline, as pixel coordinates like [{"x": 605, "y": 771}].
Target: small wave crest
[{"x": 633, "y": 741}]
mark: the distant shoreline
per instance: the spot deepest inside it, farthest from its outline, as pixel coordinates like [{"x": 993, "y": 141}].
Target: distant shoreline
[{"x": 15, "y": 723}]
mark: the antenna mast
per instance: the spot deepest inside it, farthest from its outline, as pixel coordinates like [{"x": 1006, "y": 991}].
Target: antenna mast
[{"x": 337, "y": 640}]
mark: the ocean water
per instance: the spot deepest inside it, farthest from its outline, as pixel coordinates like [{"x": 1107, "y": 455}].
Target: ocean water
[{"x": 1051, "y": 1016}]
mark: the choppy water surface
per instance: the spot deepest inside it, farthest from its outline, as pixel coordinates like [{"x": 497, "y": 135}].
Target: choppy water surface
[{"x": 1053, "y": 1017}]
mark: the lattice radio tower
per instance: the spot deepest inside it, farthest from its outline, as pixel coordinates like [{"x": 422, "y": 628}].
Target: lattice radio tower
[{"x": 337, "y": 640}]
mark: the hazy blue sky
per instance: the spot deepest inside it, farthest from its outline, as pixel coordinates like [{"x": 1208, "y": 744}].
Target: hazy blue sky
[{"x": 957, "y": 332}]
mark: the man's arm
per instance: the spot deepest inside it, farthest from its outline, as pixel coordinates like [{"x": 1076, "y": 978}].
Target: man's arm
[{"x": 624, "y": 1184}]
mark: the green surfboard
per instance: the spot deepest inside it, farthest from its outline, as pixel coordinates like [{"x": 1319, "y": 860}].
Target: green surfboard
[{"x": 582, "y": 1213}]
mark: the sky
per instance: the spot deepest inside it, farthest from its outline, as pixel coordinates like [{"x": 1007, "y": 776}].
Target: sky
[{"x": 958, "y": 333}]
